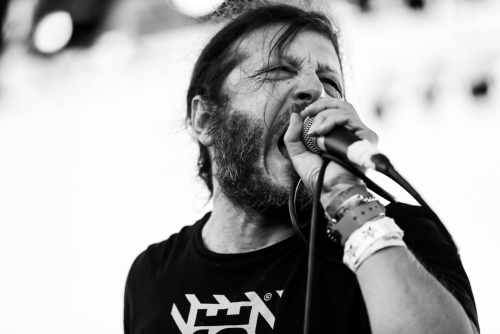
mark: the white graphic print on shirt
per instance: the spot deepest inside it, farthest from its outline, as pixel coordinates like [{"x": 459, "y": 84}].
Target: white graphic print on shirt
[{"x": 213, "y": 318}]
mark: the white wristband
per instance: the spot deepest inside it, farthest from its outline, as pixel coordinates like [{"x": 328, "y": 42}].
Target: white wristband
[
  {"x": 385, "y": 242},
  {"x": 370, "y": 238}
]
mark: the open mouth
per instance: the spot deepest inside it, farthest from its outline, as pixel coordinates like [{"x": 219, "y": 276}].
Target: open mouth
[{"x": 282, "y": 147}]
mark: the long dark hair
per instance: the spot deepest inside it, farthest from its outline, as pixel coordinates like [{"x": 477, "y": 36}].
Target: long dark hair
[{"x": 221, "y": 55}]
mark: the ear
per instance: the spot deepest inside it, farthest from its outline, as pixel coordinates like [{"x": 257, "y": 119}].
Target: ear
[{"x": 200, "y": 117}]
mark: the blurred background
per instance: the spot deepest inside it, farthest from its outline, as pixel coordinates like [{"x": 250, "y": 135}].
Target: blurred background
[{"x": 96, "y": 163}]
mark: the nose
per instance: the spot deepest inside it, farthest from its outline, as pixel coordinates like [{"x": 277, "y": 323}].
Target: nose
[{"x": 309, "y": 88}]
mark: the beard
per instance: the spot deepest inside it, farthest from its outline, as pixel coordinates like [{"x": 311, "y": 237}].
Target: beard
[{"x": 239, "y": 144}]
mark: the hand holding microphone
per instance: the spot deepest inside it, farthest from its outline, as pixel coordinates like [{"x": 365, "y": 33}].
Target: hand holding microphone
[
  {"x": 340, "y": 142},
  {"x": 331, "y": 125}
]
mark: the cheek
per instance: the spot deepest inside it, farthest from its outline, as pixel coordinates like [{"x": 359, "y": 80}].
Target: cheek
[
  {"x": 280, "y": 90},
  {"x": 277, "y": 100},
  {"x": 283, "y": 91},
  {"x": 288, "y": 88}
]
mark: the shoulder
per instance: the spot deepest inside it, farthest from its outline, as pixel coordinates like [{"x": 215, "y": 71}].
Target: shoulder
[
  {"x": 423, "y": 229},
  {"x": 424, "y": 233},
  {"x": 406, "y": 214},
  {"x": 156, "y": 257}
]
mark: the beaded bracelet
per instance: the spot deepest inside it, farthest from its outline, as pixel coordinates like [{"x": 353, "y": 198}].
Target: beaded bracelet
[{"x": 352, "y": 218}]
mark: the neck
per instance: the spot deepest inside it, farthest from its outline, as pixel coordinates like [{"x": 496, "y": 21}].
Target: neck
[{"x": 231, "y": 229}]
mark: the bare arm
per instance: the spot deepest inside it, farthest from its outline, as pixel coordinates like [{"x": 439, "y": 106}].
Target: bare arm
[
  {"x": 403, "y": 297},
  {"x": 400, "y": 294}
]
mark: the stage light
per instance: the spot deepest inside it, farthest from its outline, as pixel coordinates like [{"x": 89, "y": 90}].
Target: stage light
[
  {"x": 416, "y": 4},
  {"x": 364, "y": 5},
  {"x": 480, "y": 87},
  {"x": 53, "y": 32},
  {"x": 196, "y": 8}
]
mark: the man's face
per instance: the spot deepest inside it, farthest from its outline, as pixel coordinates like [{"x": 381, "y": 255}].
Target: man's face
[{"x": 251, "y": 162}]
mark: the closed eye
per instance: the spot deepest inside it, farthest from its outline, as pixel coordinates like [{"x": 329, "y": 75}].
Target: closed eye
[
  {"x": 332, "y": 87},
  {"x": 282, "y": 67}
]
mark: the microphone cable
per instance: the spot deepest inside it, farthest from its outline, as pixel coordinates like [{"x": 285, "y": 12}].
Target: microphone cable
[
  {"x": 312, "y": 246},
  {"x": 384, "y": 166}
]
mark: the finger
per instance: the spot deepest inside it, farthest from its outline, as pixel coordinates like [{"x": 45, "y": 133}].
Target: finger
[
  {"x": 293, "y": 139},
  {"x": 305, "y": 163},
  {"x": 327, "y": 103},
  {"x": 319, "y": 106},
  {"x": 293, "y": 135},
  {"x": 308, "y": 164},
  {"x": 367, "y": 134},
  {"x": 327, "y": 120},
  {"x": 328, "y": 125}
]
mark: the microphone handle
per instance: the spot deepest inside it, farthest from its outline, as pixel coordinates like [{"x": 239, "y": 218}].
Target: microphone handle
[
  {"x": 342, "y": 143},
  {"x": 337, "y": 142}
]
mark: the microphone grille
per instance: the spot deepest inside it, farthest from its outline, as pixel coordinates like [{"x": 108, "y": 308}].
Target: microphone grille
[{"x": 309, "y": 141}]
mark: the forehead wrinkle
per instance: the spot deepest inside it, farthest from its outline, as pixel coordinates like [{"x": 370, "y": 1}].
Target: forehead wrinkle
[
  {"x": 298, "y": 61},
  {"x": 320, "y": 66}
]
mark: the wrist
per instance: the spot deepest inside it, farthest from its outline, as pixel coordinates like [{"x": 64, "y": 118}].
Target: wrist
[
  {"x": 337, "y": 189},
  {"x": 357, "y": 221},
  {"x": 340, "y": 180},
  {"x": 343, "y": 195}
]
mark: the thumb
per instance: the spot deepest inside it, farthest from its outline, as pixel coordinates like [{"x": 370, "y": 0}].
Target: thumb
[
  {"x": 305, "y": 163},
  {"x": 308, "y": 164}
]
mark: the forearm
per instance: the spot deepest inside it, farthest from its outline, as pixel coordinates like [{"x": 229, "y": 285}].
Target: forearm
[{"x": 401, "y": 296}]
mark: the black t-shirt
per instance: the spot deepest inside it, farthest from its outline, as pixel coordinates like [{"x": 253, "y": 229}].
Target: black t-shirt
[{"x": 179, "y": 286}]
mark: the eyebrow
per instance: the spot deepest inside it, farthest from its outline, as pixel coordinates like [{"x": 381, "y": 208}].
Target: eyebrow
[{"x": 296, "y": 61}]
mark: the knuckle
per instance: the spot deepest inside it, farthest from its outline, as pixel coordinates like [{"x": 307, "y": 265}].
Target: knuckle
[
  {"x": 321, "y": 103},
  {"x": 319, "y": 118}
]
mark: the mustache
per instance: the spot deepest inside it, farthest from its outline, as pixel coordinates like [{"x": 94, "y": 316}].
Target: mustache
[
  {"x": 280, "y": 125},
  {"x": 298, "y": 107}
]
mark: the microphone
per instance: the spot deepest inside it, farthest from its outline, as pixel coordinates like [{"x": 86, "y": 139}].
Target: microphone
[{"x": 342, "y": 143}]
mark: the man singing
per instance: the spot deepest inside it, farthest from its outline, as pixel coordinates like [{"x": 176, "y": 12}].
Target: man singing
[{"x": 242, "y": 268}]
